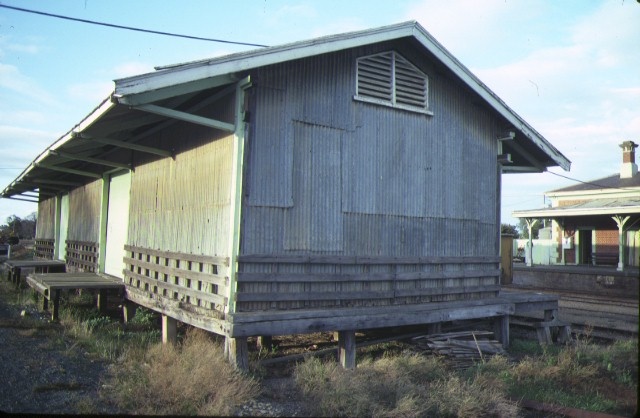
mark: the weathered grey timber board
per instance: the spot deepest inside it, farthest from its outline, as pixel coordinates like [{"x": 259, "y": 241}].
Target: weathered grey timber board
[
  {"x": 160, "y": 286},
  {"x": 175, "y": 309},
  {"x": 410, "y": 309},
  {"x": 338, "y": 259},
  {"x": 216, "y": 279},
  {"x": 597, "y": 282},
  {"x": 308, "y": 296},
  {"x": 368, "y": 277},
  {"x": 184, "y": 257},
  {"x": 34, "y": 263},
  {"x": 62, "y": 281},
  {"x": 530, "y": 301},
  {"x": 325, "y": 320}
]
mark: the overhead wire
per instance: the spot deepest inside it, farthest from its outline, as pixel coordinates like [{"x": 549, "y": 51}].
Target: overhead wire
[
  {"x": 111, "y": 25},
  {"x": 590, "y": 183}
]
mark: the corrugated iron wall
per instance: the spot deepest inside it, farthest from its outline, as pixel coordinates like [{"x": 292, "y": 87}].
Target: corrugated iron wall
[
  {"x": 182, "y": 205},
  {"x": 46, "y": 224},
  {"x": 330, "y": 175},
  {"x": 85, "y": 204},
  {"x": 357, "y": 204}
]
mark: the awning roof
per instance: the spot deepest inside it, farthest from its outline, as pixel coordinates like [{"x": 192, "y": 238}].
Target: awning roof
[
  {"x": 141, "y": 105},
  {"x": 619, "y": 206}
]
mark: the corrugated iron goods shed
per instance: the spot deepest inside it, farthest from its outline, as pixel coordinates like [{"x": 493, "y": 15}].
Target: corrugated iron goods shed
[{"x": 346, "y": 182}]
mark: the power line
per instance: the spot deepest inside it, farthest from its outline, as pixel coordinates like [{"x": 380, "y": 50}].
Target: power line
[
  {"x": 589, "y": 183},
  {"x": 111, "y": 25}
]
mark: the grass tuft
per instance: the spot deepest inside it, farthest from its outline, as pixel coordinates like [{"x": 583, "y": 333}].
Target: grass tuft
[
  {"x": 192, "y": 378},
  {"x": 406, "y": 385}
]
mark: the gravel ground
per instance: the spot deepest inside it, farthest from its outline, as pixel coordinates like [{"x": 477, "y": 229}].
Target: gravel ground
[{"x": 44, "y": 373}]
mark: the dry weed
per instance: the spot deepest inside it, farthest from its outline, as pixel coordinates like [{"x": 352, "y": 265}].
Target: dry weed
[
  {"x": 190, "y": 379},
  {"x": 403, "y": 386}
]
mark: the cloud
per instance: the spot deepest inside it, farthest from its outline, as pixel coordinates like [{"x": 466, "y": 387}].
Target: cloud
[
  {"x": 611, "y": 33},
  {"x": 131, "y": 68},
  {"x": 340, "y": 25},
  {"x": 21, "y": 145},
  {"x": 91, "y": 92},
  {"x": 290, "y": 13},
  {"x": 31, "y": 47},
  {"x": 13, "y": 80},
  {"x": 26, "y": 48},
  {"x": 94, "y": 91},
  {"x": 465, "y": 26}
]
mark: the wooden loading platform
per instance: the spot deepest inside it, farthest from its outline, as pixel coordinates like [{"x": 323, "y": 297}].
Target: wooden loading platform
[
  {"x": 15, "y": 268},
  {"x": 50, "y": 286}
]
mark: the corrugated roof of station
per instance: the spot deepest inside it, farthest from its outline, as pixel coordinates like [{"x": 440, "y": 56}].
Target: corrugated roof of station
[{"x": 115, "y": 115}]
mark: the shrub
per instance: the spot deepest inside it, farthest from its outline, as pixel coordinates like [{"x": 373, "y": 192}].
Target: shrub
[{"x": 192, "y": 378}]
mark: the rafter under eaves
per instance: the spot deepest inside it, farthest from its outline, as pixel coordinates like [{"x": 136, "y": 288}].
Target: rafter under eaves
[
  {"x": 127, "y": 145},
  {"x": 21, "y": 199},
  {"x": 186, "y": 117},
  {"x": 89, "y": 159},
  {"x": 527, "y": 156},
  {"x": 69, "y": 170},
  {"x": 55, "y": 182},
  {"x": 32, "y": 185}
]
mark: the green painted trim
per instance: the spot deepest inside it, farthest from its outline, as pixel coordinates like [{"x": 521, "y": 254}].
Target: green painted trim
[
  {"x": 236, "y": 191},
  {"x": 56, "y": 229},
  {"x": 104, "y": 206}
]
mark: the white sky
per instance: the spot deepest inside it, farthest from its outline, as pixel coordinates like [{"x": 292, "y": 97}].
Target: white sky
[{"x": 570, "y": 68}]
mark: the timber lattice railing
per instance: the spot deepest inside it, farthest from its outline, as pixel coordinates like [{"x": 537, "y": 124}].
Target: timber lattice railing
[
  {"x": 45, "y": 248},
  {"x": 82, "y": 256},
  {"x": 276, "y": 282},
  {"x": 196, "y": 282}
]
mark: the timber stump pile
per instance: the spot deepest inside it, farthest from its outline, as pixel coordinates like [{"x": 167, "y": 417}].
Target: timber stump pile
[{"x": 461, "y": 350}]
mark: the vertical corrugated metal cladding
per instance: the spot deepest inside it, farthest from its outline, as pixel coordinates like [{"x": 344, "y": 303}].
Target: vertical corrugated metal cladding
[
  {"x": 314, "y": 222},
  {"x": 329, "y": 175},
  {"x": 46, "y": 224},
  {"x": 182, "y": 205},
  {"x": 293, "y": 179},
  {"x": 85, "y": 205}
]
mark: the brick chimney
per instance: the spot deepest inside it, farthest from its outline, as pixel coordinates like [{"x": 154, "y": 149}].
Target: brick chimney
[{"x": 629, "y": 168}]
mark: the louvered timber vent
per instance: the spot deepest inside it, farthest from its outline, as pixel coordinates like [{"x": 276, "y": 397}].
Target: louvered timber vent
[{"x": 388, "y": 78}]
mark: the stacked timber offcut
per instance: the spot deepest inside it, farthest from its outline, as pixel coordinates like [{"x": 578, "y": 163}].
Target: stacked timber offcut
[{"x": 461, "y": 349}]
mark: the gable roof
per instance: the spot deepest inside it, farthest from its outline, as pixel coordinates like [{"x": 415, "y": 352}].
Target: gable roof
[
  {"x": 596, "y": 207},
  {"x": 601, "y": 199},
  {"x": 117, "y": 116},
  {"x": 610, "y": 182}
]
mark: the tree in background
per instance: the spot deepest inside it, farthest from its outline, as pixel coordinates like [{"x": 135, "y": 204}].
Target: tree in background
[
  {"x": 510, "y": 229},
  {"x": 18, "y": 228},
  {"x": 522, "y": 226}
]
